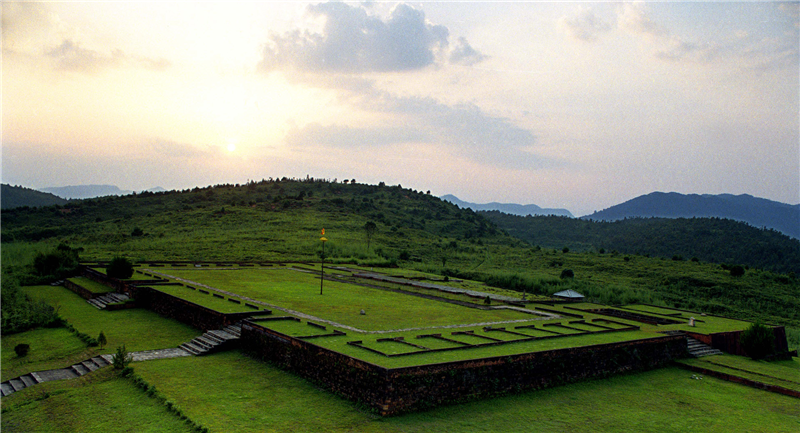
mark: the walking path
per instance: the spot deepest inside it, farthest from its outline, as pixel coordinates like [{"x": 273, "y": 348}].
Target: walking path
[{"x": 203, "y": 344}]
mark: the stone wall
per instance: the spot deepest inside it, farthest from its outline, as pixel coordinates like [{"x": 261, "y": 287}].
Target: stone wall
[
  {"x": 728, "y": 342},
  {"x": 80, "y": 290},
  {"x": 187, "y": 312},
  {"x": 394, "y": 391}
]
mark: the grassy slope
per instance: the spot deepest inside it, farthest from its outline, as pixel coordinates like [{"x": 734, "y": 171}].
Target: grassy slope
[
  {"x": 272, "y": 221},
  {"x": 99, "y": 402},
  {"x": 663, "y": 400}
]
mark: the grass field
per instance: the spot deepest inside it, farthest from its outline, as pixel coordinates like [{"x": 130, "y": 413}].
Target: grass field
[
  {"x": 137, "y": 329},
  {"x": 99, "y": 402},
  {"x": 229, "y": 391},
  {"x": 784, "y": 373}
]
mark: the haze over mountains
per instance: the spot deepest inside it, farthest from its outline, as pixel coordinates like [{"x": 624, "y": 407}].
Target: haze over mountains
[
  {"x": 757, "y": 212},
  {"x": 90, "y": 191},
  {"x": 509, "y": 208}
]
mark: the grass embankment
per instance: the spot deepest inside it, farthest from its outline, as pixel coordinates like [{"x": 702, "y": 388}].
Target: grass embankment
[
  {"x": 784, "y": 373},
  {"x": 137, "y": 329},
  {"x": 91, "y": 285},
  {"x": 228, "y": 391},
  {"x": 50, "y": 348},
  {"x": 100, "y": 401}
]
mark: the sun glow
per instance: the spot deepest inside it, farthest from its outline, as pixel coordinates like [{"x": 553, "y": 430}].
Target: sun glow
[{"x": 231, "y": 146}]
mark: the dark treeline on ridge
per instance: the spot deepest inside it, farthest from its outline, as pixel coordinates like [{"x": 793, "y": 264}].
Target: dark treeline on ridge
[{"x": 713, "y": 240}]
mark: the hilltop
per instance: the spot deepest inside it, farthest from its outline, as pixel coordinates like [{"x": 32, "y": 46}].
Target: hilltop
[
  {"x": 758, "y": 212},
  {"x": 281, "y": 219},
  {"x": 714, "y": 240},
  {"x": 19, "y": 196}
]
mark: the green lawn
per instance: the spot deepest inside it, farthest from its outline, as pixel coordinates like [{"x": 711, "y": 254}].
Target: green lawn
[
  {"x": 340, "y": 302},
  {"x": 137, "y": 329},
  {"x": 50, "y": 348},
  {"x": 231, "y": 392},
  {"x": 98, "y": 402},
  {"x": 205, "y": 299},
  {"x": 782, "y": 373}
]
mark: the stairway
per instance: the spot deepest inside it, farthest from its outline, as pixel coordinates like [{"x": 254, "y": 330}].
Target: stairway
[
  {"x": 212, "y": 340},
  {"x": 11, "y": 386},
  {"x": 698, "y": 349},
  {"x": 100, "y": 302}
]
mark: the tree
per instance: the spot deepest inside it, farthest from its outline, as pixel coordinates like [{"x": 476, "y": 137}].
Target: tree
[
  {"x": 758, "y": 341},
  {"x": 567, "y": 273},
  {"x": 737, "y": 271},
  {"x": 119, "y": 267},
  {"x": 101, "y": 339},
  {"x": 122, "y": 358},
  {"x": 370, "y": 228}
]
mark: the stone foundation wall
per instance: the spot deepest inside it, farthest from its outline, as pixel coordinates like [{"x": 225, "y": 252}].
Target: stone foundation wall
[
  {"x": 728, "y": 342},
  {"x": 80, "y": 290},
  {"x": 184, "y": 311},
  {"x": 394, "y": 391}
]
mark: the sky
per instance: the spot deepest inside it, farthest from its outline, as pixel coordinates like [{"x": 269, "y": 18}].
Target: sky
[{"x": 576, "y": 105}]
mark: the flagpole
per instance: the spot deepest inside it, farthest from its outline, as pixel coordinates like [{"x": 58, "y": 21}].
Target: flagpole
[{"x": 322, "y": 266}]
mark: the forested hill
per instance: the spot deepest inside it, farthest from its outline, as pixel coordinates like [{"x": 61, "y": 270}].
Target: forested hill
[
  {"x": 708, "y": 239},
  {"x": 271, "y": 219},
  {"x": 19, "y": 196},
  {"x": 757, "y": 212}
]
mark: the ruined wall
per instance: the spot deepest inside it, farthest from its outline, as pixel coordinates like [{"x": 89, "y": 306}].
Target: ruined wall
[
  {"x": 184, "y": 311},
  {"x": 394, "y": 391},
  {"x": 728, "y": 342}
]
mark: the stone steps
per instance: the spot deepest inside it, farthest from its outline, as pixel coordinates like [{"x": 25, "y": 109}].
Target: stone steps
[
  {"x": 30, "y": 379},
  {"x": 698, "y": 349},
  {"x": 212, "y": 340},
  {"x": 100, "y": 302}
]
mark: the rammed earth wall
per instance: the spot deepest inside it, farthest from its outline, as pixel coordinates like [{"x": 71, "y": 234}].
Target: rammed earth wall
[{"x": 398, "y": 390}]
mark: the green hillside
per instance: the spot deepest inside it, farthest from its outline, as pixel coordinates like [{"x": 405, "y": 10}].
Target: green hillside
[
  {"x": 19, "y": 196},
  {"x": 282, "y": 220},
  {"x": 708, "y": 239}
]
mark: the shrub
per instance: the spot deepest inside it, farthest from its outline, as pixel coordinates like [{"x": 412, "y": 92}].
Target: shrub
[
  {"x": 567, "y": 273},
  {"x": 488, "y": 300},
  {"x": 101, "y": 339},
  {"x": 758, "y": 341},
  {"x": 22, "y": 349},
  {"x": 737, "y": 271},
  {"x": 119, "y": 267},
  {"x": 122, "y": 358}
]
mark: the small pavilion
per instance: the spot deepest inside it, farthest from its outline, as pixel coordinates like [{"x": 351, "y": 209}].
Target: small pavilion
[{"x": 569, "y": 295}]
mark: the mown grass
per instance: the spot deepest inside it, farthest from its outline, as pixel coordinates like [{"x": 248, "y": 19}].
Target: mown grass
[
  {"x": 98, "y": 402},
  {"x": 341, "y": 303},
  {"x": 50, "y": 348},
  {"x": 229, "y": 391},
  {"x": 205, "y": 300},
  {"x": 784, "y": 373},
  {"x": 137, "y": 329}
]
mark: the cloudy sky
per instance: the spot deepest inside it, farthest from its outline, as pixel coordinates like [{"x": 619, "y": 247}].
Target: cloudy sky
[{"x": 573, "y": 105}]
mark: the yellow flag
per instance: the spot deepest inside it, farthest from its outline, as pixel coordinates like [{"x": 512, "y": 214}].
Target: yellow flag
[{"x": 323, "y": 232}]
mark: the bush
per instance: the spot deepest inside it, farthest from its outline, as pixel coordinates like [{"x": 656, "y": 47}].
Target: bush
[
  {"x": 567, "y": 273},
  {"x": 119, "y": 267},
  {"x": 737, "y": 271},
  {"x": 758, "y": 341},
  {"x": 22, "y": 349},
  {"x": 101, "y": 339},
  {"x": 60, "y": 263},
  {"x": 122, "y": 358}
]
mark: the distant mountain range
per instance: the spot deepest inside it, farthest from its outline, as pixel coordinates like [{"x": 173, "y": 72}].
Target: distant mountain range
[
  {"x": 509, "y": 208},
  {"x": 757, "y": 212},
  {"x": 90, "y": 191},
  {"x": 18, "y": 196}
]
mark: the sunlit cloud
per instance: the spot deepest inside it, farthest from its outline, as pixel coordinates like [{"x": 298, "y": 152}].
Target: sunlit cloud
[
  {"x": 353, "y": 40},
  {"x": 584, "y": 25}
]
